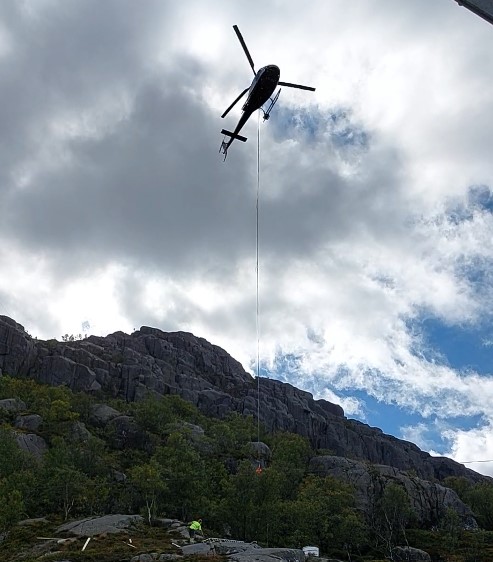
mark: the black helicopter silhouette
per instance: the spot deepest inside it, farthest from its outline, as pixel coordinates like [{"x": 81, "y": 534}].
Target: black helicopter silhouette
[{"x": 260, "y": 90}]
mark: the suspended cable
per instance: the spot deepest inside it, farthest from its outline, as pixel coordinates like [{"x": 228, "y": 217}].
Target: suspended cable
[
  {"x": 257, "y": 324},
  {"x": 472, "y": 462}
]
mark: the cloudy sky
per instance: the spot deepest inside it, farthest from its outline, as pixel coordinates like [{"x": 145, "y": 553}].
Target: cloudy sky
[{"x": 376, "y": 202}]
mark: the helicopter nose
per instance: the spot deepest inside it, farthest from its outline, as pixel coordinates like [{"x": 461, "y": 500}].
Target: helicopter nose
[{"x": 274, "y": 71}]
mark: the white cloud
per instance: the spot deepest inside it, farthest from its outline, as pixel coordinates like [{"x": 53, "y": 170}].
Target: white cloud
[
  {"x": 473, "y": 447},
  {"x": 118, "y": 211}
]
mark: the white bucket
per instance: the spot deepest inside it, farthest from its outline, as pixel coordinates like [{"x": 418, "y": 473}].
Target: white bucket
[{"x": 311, "y": 551}]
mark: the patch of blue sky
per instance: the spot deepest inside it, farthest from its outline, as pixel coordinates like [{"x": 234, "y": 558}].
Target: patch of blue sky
[
  {"x": 479, "y": 198},
  {"x": 463, "y": 348},
  {"x": 389, "y": 417},
  {"x": 314, "y": 124},
  {"x": 428, "y": 432}
]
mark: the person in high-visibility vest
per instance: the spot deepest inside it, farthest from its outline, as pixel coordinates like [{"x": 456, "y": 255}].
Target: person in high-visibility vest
[{"x": 193, "y": 528}]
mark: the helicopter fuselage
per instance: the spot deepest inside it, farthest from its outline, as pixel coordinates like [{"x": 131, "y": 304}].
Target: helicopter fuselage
[
  {"x": 263, "y": 86},
  {"x": 261, "y": 89}
]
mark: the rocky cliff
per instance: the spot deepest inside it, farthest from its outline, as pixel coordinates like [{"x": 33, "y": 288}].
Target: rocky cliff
[{"x": 149, "y": 360}]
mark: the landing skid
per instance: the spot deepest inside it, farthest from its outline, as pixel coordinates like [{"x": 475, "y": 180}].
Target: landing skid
[
  {"x": 224, "y": 148},
  {"x": 271, "y": 105}
]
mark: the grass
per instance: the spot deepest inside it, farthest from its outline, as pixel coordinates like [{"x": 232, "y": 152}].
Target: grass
[{"x": 23, "y": 545}]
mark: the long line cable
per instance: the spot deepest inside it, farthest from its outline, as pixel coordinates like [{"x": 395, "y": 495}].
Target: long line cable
[{"x": 257, "y": 323}]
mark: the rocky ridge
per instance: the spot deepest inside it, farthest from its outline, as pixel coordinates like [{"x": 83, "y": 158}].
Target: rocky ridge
[{"x": 152, "y": 361}]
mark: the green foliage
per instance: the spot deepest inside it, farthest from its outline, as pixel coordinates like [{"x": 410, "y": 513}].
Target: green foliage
[
  {"x": 459, "y": 484},
  {"x": 290, "y": 457},
  {"x": 231, "y": 436},
  {"x": 72, "y": 337},
  {"x": 182, "y": 469},
  {"x": 392, "y": 515},
  {"x": 53, "y": 403},
  {"x": 154, "y": 414},
  {"x": 147, "y": 481},
  {"x": 324, "y": 515},
  {"x": 12, "y": 506},
  {"x": 12, "y": 459},
  {"x": 480, "y": 498},
  {"x": 450, "y": 526},
  {"x": 179, "y": 472}
]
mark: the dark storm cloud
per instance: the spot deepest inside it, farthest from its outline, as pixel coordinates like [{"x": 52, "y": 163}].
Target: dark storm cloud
[
  {"x": 143, "y": 190},
  {"x": 155, "y": 193},
  {"x": 149, "y": 188},
  {"x": 148, "y": 192},
  {"x": 60, "y": 58}
]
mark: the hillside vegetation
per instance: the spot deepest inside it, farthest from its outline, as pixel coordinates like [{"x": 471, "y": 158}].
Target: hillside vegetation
[{"x": 169, "y": 460}]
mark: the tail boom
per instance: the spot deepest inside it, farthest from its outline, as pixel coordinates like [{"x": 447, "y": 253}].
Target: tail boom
[{"x": 233, "y": 135}]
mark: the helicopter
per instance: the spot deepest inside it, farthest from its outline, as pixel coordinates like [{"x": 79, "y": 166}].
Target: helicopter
[{"x": 260, "y": 90}]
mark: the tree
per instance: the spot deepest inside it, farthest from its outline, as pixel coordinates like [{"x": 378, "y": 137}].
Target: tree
[
  {"x": 148, "y": 483},
  {"x": 153, "y": 414},
  {"x": 450, "y": 526},
  {"x": 62, "y": 485},
  {"x": 392, "y": 514},
  {"x": 240, "y": 500},
  {"x": 459, "y": 484},
  {"x": 12, "y": 458},
  {"x": 182, "y": 470},
  {"x": 325, "y": 515},
  {"x": 290, "y": 456},
  {"x": 480, "y": 498},
  {"x": 12, "y": 505}
]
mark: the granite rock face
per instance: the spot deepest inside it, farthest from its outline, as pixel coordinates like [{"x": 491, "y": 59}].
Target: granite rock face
[
  {"x": 429, "y": 500},
  {"x": 150, "y": 361}
]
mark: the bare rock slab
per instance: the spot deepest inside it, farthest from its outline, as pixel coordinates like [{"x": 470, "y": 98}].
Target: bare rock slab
[{"x": 98, "y": 525}]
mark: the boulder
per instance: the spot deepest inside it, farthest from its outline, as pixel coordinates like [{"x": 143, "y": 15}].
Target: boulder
[
  {"x": 30, "y": 422},
  {"x": 260, "y": 451},
  {"x": 101, "y": 414},
  {"x": 196, "y": 548},
  {"x": 13, "y": 405},
  {"x": 125, "y": 432},
  {"x": 79, "y": 432},
  {"x": 193, "y": 432},
  {"x": 409, "y": 554},
  {"x": 31, "y": 443},
  {"x": 32, "y": 522},
  {"x": 97, "y": 525}
]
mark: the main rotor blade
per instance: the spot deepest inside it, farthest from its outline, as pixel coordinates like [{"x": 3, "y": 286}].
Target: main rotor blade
[
  {"x": 289, "y": 85},
  {"x": 243, "y": 44},
  {"x": 235, "y": 102}
]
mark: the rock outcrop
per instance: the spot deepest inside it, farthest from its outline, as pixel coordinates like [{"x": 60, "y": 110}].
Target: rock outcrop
[
  {"x": 150, "y": 361},
  {"x": 409, "y": 554},
  {"x": 32, "y": 444},
  {"x": 239, "y": 551},
  {"x": 429, "y": 500},
  {"x": 92, "y": 526}
]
